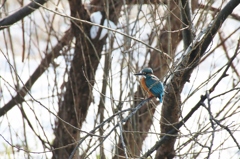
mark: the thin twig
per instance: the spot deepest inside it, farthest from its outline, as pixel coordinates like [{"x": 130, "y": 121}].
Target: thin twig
[
  {"x": 193, "y": 110},
  {"x": 110, "y": 29},
  {"x": 134, "y": 110},
  {"x": 122, "y": 139},
  {"x": 54, "y": 53}
]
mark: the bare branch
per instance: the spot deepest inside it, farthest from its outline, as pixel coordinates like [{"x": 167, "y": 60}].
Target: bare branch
[
  {"x": 175, "y": 128},
  {"x": 55, "y": 52},
  {"x": 187, "y": 22},
  {"x": 134, "y": 111},
  {"x": 20, "y": 14},
  {"x": 183, "y": 71}
]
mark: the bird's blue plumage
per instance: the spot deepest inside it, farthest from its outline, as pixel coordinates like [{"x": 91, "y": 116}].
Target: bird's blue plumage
[
  {"x": 155, "y": 86},
  {"x": 151, "y": 83}
]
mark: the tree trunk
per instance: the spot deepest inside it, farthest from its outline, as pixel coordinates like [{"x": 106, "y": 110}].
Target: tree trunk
[
  {"x": 160, "y": 64},
  {"x": 78, "y": 95}
]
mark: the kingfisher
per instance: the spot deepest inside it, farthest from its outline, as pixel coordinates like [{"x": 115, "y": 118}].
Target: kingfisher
[{"x": 151, "y": 84}]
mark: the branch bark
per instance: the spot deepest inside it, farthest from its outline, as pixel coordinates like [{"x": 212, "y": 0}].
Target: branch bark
[
  {"x": 20, "y": 14},
  {"x": 186, "y": 22}
]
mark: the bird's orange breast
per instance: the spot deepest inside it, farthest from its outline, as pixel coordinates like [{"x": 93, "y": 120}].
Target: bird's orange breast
[{"x": 143, "y": 85}]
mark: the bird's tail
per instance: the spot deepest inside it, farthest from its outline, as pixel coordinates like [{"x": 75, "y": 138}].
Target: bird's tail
[{"x": 160, "y": 98}]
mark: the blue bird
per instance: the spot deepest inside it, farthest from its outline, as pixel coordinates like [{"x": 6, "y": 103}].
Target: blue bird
[{"x": 151, "y": 84}]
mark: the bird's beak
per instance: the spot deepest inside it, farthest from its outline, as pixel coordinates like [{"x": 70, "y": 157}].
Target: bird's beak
[{"x": 138, "y": 74}]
